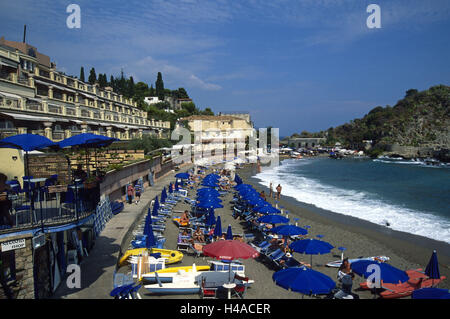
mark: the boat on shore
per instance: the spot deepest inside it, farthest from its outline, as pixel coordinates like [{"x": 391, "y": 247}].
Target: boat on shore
[
  {"x": 417, "y": 280},
  {"x": 167, "y": 275},
  {"x": 171, "y": 256},
  {"x": 337, "y": 263}
]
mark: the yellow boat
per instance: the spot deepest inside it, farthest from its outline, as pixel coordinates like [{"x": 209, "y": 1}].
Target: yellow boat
[
  {"x": 171, "y": 256},
  {"x": 177, "y": 221}
]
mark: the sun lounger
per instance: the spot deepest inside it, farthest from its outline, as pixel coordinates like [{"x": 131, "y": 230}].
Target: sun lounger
[
  {"x": 184, "y": 242},
  {"x": 275, "y": 257}
]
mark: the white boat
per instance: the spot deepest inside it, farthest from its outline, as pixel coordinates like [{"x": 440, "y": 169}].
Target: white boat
[
  {"x": 182, "y": 282},
  {"x": 189, "y": 282},
  {"x": 337, "y": 263}
]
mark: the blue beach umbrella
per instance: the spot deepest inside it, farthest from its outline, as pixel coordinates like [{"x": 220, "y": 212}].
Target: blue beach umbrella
[
  {"x": 155, "y": 207},
  {"x": 209, "y": 191},
  {"x": 229, "y": 235},
  {"x": 176, "y": 186},
  {"x": 211, "y": 220},
  {"x": 266, "y": 209},
  {"x": 388, "y": 273},
  {"x": 208, "y": 198},
  {"x": 218, "y": 228},
  {"x": 273, "y": 219},
  {"x": 432, "y": 269},
  {"x": 163, "y": 195},
  {"x": 431, "y": 293},
  {"x": 182, "y": 175},
  {"x": 210, "y": 184},
  {"x": 87, "y": 140},
  {"x": 27, "y": 142},
  {"x": 150, "y": 239},
  {"x": 311, "y": 247},
  {"x": 289, "y": 230},
  {"x": 304, "y": 280},
  {"x": 209, "y": 204},
  {"x": 170, "y": 188}
]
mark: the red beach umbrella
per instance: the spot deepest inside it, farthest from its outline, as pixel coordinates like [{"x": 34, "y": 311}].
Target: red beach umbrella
[{"x": 229, "y": 250}]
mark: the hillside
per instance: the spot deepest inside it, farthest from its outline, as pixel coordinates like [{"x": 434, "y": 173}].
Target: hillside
[{"x": 417, "y": 123}]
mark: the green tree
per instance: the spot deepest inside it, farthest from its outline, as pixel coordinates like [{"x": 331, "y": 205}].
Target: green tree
[
  {"x": 112, "y": 82},
  {"x": 82, "y": 74},
  {"x": 92, "y": 76},
  {"x": 102, "y": 81},
  {"x": 159, "y": 86},
  {"x": 182, "y": 94},
  {"x": 151, "y": 91},
  {"x": 189, "y": 106},
  {"x": 208, "y": 111}
]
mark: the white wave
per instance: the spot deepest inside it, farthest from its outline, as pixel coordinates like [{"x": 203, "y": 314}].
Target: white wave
[
  {"x": 402, "y": 161},
  {"x": 354, "y": 203}
]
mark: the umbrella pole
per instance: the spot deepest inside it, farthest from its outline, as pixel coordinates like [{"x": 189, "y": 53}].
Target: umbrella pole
[{"x": 87, "y": 163}]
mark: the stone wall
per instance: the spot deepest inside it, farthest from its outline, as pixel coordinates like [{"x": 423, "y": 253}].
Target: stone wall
[
  {"x": 105, "y": 159},
  {"x": 45, "y": 165},
  {"x": 23, "y": 286}
]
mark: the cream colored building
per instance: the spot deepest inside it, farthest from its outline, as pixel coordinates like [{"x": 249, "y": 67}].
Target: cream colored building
[
  {"x": 222, "y": 137},
  {"x": 36, "y": 98}
]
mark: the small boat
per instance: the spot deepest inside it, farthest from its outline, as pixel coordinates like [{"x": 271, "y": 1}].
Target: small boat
[
  {"x": 182, "y": 282},
  {"x": 337, "y": 263},
  {"x": 189, "y": 282},
  {"x": 177, "y": 221},
  {"x": 417, "y": 280},
  {"x": 171, "y": 256},
  {"x": 166, "y": 275}
]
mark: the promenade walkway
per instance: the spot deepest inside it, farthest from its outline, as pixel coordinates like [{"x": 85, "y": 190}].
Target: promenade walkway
[{"x": 97, "y": 269}]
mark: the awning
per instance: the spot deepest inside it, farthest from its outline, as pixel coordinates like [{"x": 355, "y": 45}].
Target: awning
[
  {"x": 27, "y": 117},
  {"x": 55, "y": 86},
  {"x": 88, "y": 95},
  {"x": 9, "y": 63},
  {"x": 34, "y": 99},
  {"x": 10, "y": 95}
]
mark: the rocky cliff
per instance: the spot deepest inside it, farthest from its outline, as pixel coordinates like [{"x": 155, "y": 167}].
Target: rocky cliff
[{"x": 417, "y": 126}]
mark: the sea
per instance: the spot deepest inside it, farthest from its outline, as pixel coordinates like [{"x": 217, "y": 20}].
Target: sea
[{"x": 409, "y": 195}]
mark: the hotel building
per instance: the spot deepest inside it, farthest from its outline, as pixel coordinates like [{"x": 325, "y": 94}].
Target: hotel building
[
  {"x": 37, "y": 98},
  {"x": 219, "y": 137}
]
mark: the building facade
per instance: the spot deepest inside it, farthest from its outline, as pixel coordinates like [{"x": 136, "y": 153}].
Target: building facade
[
  {"x": 37, "y": 98},
  {"x": 220, "y": 137},
  {"x": 305, "y": 142}
]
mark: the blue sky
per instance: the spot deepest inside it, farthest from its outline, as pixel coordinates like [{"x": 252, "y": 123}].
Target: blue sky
[{"x": 293, "y": 64}]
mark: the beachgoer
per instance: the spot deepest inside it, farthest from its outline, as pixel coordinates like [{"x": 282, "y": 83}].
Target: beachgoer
[
  {"x": 262, "y": 195},
  {"x": 184, "y": 218},
  {"x": 137, "y": 190},
  {"x": 5, "y": 203},
  {"x": 345, "y": 269},
  {"x": 130, "y": 193},
  {"x": 278, "y": 192},
  {"x": 79, "y": 173},
  {"x": 198, "y": 235},
  {"x": 271, "y": 190}
]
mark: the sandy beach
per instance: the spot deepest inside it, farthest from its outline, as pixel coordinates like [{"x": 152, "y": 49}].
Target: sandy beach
[{"x": 360, "y": 239}]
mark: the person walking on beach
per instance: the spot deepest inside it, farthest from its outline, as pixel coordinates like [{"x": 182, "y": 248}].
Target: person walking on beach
[
  {"x": 278, "y": 192},
  {"x": 270, "y": 190},
  {"x": 130, "y": 193},
  {"x": 137, "y": 191}
]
